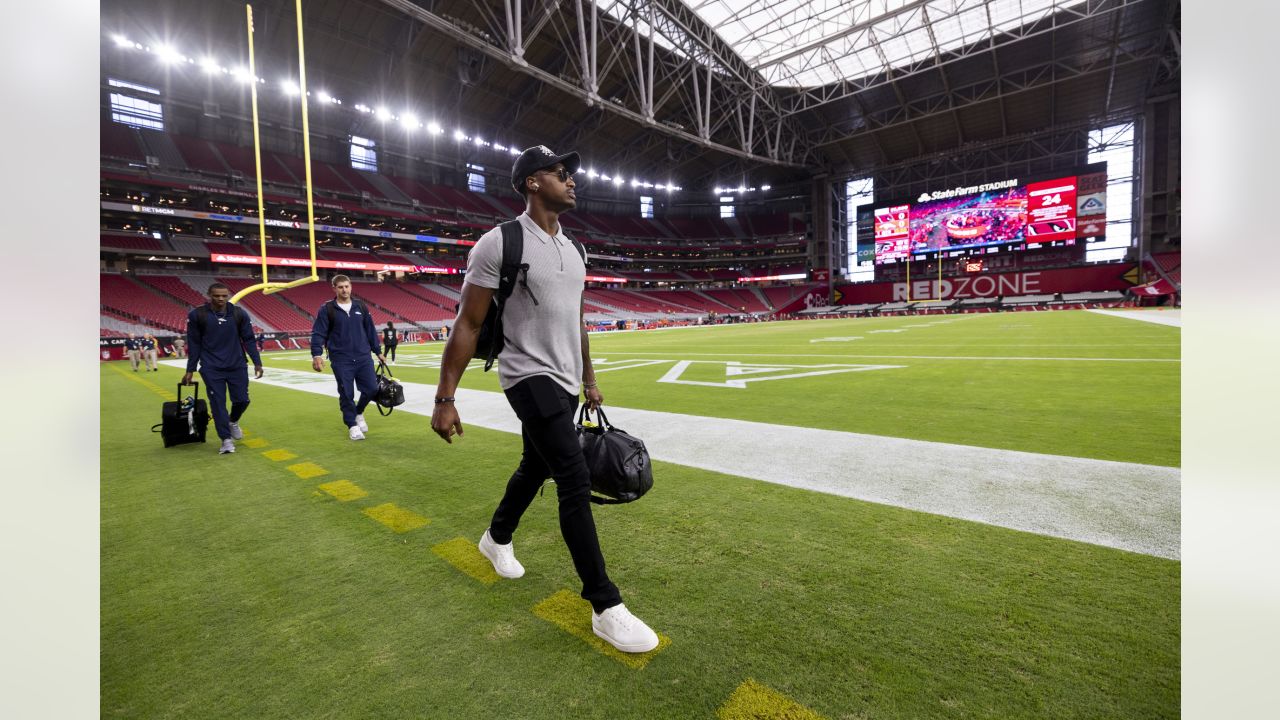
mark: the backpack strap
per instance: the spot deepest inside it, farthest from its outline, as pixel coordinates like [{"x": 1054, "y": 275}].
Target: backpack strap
[
  {"x": 202, "y": 318},
  {"x": 581, "y": 250},
  {"x": 512, "y": 255}
]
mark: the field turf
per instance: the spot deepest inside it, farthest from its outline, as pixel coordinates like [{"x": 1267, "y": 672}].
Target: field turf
[{"x": 261, "y": 585}]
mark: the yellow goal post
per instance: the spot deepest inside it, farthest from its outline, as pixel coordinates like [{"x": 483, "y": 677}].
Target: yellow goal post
[{"x": 266, "y": 286}]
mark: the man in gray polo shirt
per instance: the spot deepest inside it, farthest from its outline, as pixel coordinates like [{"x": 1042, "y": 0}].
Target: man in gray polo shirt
[{"x": 546, "y": 356}]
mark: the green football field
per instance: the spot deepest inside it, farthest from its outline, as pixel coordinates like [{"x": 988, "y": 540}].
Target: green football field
[{"x": 308, "y": 576}]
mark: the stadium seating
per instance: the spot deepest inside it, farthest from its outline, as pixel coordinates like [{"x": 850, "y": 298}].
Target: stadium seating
[
  {"x": 738, "y": 300},
  {"x": 780, "y": 297},
  {"x": 395, "y": 298},
  {"x": 228, "y": 248},
  {"x": 120, "y": 141},
  {"x": 347, "y": 255},
  {"x": 1102, "y": 296},
  {"x": 174, "y": 287},
  {"x": 445, "y": 297},
  {"x": 1020, "y": 300},
  {"x": 136, "y": 302},
  {"x": 270, "y": 312},
  {"x": 200, "y": 155},
  {"x": 241, "y": 159},
  {"x": 142, "y": 243}
]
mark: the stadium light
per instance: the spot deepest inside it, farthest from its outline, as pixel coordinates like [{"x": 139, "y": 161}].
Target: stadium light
[
  {"x": 617, "y": 180},
  {"x": 168, "y": 55},
  {"x": 434, "y": 128},
  {"x": 382, "y": 114},
  {"x": 408, "y": 121},
  {"x": 459, "y": 136},
  {"x": 499, "y": 146},
  {"x": 479, "y": 140},
  {"x": 515, "y": 151},
  {"x": 766, "y": 187},
  {"x": 121, "y": 41},
  {"x": 290, "y": 87},
  {"x": 242, "y": 75},
  {"x": 209, "y": 65}
]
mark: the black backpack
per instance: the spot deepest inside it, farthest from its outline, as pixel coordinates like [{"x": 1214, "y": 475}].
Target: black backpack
[{"x": 490, "y": 340}]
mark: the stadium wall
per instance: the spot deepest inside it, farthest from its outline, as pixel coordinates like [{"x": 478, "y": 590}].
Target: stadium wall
[{"x": 1064, "y": 280}]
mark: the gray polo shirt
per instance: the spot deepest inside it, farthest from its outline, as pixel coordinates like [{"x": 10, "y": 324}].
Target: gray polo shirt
[{"x": 541, "y": 339}]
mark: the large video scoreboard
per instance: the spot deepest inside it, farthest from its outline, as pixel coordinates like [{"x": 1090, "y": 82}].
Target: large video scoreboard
[{"x": 1003, "y": 214}]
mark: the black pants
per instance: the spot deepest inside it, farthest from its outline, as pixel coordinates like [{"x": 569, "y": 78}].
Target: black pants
[
  {"x": 551, "y": 450},
  {"x": 389, "y": 351}
]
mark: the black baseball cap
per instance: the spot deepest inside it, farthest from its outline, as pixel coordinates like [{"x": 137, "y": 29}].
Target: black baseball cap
[{"x": 538, "y": 157}]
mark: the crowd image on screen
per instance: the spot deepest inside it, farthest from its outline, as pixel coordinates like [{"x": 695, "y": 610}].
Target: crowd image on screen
[{"x": 1003, "y": 215}]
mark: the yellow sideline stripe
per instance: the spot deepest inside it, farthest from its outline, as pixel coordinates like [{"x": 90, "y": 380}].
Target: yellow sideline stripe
[
  {"x": 255, "y": 442},
  {"x": 344, "y": 490},
  {"x": 465, "y": 556},
  {"x": 573, "y": 615},
  {"x": 753, "y": 701},
  {"x": 166, "y": 394},
  {"x": 278, "y": 455},
  {"x": 307, "y": 470},
  {"x": 396, "y": 518}
]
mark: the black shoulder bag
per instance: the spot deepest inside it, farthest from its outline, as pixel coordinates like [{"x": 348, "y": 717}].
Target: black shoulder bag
[{"x": 390, "y": 391}]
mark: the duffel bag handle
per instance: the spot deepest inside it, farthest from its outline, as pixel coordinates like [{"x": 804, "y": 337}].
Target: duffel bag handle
[
  {"x": 382, "y": 368},
  {"x": 585, "y": 414}
]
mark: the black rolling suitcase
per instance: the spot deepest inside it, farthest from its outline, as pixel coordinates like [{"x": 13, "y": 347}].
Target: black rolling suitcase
[{"x": 183, "y": 421}]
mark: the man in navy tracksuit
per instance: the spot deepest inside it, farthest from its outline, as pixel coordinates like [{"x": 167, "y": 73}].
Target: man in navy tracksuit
[
  {"x": 345, "y": 327},
  {"x": 218, "y": 334}
]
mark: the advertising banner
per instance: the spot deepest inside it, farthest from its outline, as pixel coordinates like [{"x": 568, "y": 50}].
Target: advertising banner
[{"x": 1066, "y": 280}]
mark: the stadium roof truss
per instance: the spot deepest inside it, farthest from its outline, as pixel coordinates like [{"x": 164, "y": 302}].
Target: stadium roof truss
[{"x": 708, "y": 89}]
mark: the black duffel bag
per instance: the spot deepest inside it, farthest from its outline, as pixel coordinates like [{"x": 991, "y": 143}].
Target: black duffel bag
[
  {"x": 390, "y": 391},
  {"x": 619, "y": 463}
]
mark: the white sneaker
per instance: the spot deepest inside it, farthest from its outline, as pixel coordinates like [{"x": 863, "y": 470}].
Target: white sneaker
[
  {"x": 618, "y": 627},
  {"x": 503, "y": 557},
  {"x": 355, "y": 433},
  {"x": 360, "y": 423},
  {"x": 236, "y": 432},
  {"x": 227, "y": 447}
]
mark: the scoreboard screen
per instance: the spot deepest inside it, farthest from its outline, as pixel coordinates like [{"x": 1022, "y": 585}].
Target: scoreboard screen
[{"x": 1005, "y": 213}]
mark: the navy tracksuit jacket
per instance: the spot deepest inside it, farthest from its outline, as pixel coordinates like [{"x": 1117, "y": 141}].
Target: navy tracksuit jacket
[
  {"x": 350, "y": 340},
  {"x": 219, "y": 350}
]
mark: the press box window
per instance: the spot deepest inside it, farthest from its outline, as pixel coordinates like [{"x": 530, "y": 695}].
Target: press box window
[
  {"x": 130, "y": 109},
  {"x": 363, "y": 156},
  {"x": 475, "y": 180},
  {"x": 726, "y": 207}
]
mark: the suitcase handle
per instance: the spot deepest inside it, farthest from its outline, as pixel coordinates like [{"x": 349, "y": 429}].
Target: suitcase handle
[{"x": 194, "y": 384}]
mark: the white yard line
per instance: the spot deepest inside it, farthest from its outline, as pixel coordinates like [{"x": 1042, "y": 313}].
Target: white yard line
[
  {"x": 731, "y": 356},
  {"x": 1122, "y": 505},
  {"x": 1173, "y": 318}
]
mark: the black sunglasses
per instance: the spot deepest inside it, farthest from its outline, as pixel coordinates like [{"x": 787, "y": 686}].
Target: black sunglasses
[{"x": 562, "y": 173}]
